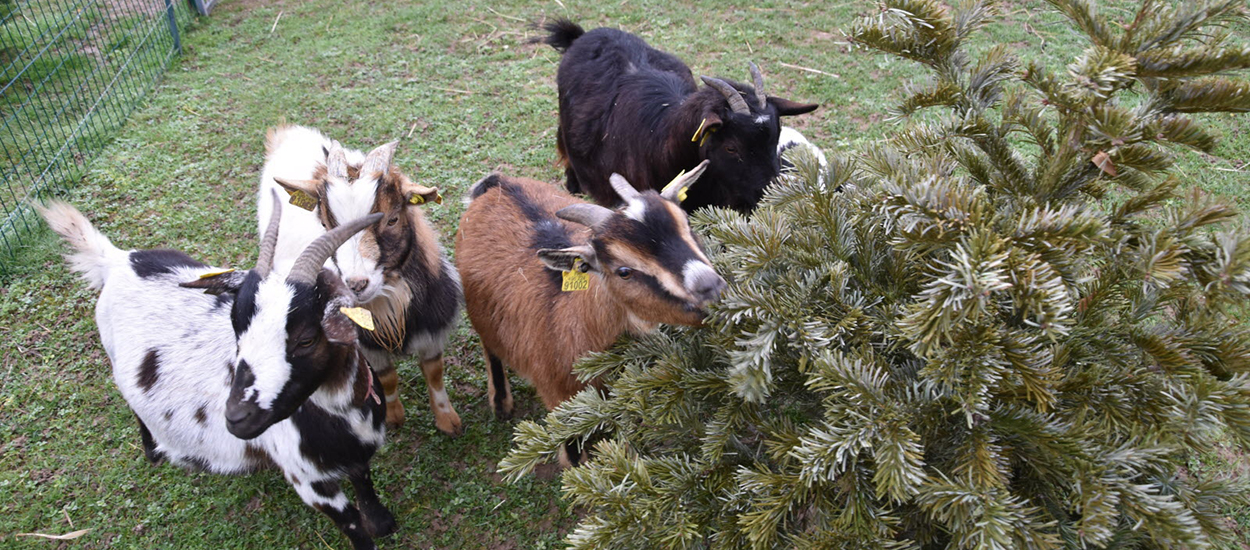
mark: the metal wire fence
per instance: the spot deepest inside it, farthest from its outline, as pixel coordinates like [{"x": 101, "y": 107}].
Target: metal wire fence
[{"x": 73, "y": 70}]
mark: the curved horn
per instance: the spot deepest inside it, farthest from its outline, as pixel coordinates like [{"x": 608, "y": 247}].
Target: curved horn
[
  {"x": 758, "y": 78},
  {"x": 622, "y": 187},
  {"x": 677, "y": 188},
  {"x": 589, "y": 215},
  {"x": 310, "y": 260},
  {"x": 336, "y": 161},
  {"x": 269, "y": 242},
  {"x": 731, "y": 94}
]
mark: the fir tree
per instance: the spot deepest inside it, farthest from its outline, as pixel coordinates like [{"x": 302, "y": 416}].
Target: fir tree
[{"x": 1004, "y": 329}]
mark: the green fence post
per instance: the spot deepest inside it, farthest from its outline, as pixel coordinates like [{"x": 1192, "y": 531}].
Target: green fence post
[{"x": 173, "y": 25}]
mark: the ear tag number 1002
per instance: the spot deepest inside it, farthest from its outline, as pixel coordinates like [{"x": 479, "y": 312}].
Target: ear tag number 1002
[{"x": 575, "y": 279}]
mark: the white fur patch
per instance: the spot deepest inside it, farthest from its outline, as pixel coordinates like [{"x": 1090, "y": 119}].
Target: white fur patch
[
  {"x": 263, "y": 344},
  {"x": 636, "y": 210},
  {"x": 693, "y": 271},
  {"x": 762, "y": 119}
]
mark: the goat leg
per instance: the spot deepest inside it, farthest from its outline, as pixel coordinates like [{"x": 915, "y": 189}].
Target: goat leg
[
  {"x": 498, "y": 389},
  {"x": 384, "y": 369},
  {"x": 327, "y": 496},
  {"x": 445, "y": 417},
  {"x": 149, "y": 444},
  {"x": 377, "y": 519}
]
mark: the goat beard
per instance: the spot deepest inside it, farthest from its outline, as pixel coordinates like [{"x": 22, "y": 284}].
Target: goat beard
[{"x": 390, "y": 312}]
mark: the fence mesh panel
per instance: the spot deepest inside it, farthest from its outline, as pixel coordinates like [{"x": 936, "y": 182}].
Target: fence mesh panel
[{"x": 73, "y": 70}]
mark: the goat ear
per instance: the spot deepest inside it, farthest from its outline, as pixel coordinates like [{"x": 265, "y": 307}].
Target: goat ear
[
  {"x": 420, "y": 194},
  {"x": 338, "y": 327},
  {"x": 562, "y": 259},
  {"x": 786, "y": 107},
  {"x": 305, "y": 194},
  {"x": 710, "y": 124},
  {"x": 218, "y": 282}
]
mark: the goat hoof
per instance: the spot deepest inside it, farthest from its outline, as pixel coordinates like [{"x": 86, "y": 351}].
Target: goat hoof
[
  {"x": 450, "y": 425},
  {"x": 379, "y": 524},
  {"x": 394, "y": 414}
]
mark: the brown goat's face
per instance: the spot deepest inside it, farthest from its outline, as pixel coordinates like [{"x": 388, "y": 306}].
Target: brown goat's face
[{"x": 650, "y": 261}]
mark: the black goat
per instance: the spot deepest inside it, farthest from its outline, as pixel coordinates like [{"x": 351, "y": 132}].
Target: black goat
[{"x": 628, "y": 108}]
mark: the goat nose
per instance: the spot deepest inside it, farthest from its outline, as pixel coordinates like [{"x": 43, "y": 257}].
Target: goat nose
[
  {"x": 708, "y": 289},
  {"x": 235, "y": 415},
  {"x": 357, "y": 284}
]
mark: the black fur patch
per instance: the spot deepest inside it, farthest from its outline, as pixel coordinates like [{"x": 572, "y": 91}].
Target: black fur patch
[
  {"x": 327, "y": 489},
  {"x": 489, "y": 182},
  {"x": 200, "y": 415},
  {"x": 149, "y": 444},
  {"x": 499, "y": 379},
  {"x": 150, "y": 263},
  {"x": 149, "y": 370},
  {"x": 328, "y": 441}
]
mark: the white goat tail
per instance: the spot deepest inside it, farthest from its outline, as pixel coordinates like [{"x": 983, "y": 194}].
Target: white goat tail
[{"x": 94, "y": 254}]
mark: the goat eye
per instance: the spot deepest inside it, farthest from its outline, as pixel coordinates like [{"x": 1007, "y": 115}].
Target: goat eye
[
  {"x": 731, "y": 149},
  {"x": 624, "y": 272},
  {"x": 306, "y": 343},
  {"x": 392, "y": 221}
]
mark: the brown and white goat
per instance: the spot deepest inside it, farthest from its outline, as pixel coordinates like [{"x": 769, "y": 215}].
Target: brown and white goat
[
  {"x": 395, "y": 268},
  {"x": 517, "y": 235}
]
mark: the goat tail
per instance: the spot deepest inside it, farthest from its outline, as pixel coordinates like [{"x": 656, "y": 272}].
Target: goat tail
[
  {"x": 562, "y": 34},
  {"x": 93, "y": 252}
]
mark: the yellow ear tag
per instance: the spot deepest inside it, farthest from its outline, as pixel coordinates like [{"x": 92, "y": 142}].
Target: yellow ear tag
[
  {"x": 416, "y": 199},
  {"x": 681, "y": 195},
  {"x": 699, "y": 132},
  {"x": 360, "y": 316},
  {"x": 216, "y": 273},
  {"x": 302, "y": 199},
  {"x": 576, "y": 279}
]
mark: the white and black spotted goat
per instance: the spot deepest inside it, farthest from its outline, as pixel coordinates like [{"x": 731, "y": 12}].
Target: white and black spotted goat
[
  {"x": 232, "y": 371},
  {"x": 396, "y": 268}
]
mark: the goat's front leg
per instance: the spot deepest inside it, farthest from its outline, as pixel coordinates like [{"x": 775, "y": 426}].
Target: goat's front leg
[
  {"x": 445, "y": 417},
  {"x": 328, "y": 497},
  {"x": 377, "y": 518},
  {"x": 384, "y": 368}
]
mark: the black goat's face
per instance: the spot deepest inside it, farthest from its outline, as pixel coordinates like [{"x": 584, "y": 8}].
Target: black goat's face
[
  {"x": 292, "y": 340},
  {"x": 741, "y": 144}
]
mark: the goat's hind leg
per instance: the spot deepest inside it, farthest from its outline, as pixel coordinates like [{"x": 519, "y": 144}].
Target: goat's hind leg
[
  {"x": 498, "y": 389},
  {"x": 149, "y": 444}
]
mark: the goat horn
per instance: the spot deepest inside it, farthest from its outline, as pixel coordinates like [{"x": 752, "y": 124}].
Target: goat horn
[
  {"x": 589, "y": 215},
  {"x": 311, "y": 259},
  {"x": 336, "y": 161},
  {"x": 731, "y": 94},
  {"x": 676, "y": 189},
  {"x": 379, "y": 159},
  {"x": 269, "y": 242},
  {"x": 622, "y": 187},
  {"x": 758, "y": 78}
]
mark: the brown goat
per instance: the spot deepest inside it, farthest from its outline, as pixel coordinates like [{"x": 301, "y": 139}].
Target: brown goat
[{"x": 644, "y": 265}]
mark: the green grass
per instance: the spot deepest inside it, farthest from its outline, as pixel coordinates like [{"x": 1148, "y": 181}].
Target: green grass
[{"x": 464, "y": 93}]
